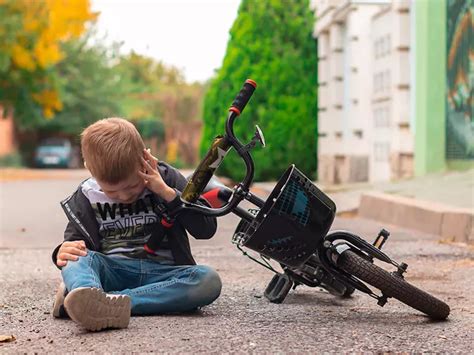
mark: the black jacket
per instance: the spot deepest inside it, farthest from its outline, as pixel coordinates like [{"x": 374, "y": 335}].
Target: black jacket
[{"x": 83, "y": 225}]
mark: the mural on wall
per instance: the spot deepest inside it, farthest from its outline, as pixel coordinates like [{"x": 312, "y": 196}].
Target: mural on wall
[{"x": 460, "y": 80}]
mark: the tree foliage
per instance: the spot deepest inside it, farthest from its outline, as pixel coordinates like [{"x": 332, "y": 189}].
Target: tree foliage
[
  {"x": 32, "y": 33},
  {"x": 157, "y": 91},
  {"x": 145, "y": 77},
  {"x": 270, "y": 42},
  {"x": 89, "y": 87}
]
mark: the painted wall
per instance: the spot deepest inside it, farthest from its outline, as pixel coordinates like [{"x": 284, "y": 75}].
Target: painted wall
[
  {"x": 460, "y": 81},
  {"x": 7, "y": 133},
  {"x": 430, "y": 91}
]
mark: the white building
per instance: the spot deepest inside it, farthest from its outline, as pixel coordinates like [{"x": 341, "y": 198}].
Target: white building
[{"x": 363, "y": 98}]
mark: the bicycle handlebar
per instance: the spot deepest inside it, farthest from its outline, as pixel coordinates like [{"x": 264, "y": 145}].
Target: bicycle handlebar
[
  {"x": 243, "y": 96},
  {"x": 214, "y": 157}
]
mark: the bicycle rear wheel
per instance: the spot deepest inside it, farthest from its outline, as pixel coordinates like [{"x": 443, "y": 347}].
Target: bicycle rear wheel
[{"x": 393, "y": 286}]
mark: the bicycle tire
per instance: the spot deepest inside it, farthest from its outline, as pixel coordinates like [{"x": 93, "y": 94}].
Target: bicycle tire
[{"x": 393, "y": 286}]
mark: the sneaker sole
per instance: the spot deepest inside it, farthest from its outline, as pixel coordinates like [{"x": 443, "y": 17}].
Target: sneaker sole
[{"x": 91, "y": 308}]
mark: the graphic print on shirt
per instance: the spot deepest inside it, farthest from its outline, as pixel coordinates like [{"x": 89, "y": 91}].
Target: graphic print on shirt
[{"x": 125, "y": 228}]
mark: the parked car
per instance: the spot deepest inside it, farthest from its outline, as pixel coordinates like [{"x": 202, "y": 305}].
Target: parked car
[{"x": 56, "y": 152}]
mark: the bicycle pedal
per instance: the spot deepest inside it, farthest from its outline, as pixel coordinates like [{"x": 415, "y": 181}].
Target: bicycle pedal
[{"x": 278, "y": 288}]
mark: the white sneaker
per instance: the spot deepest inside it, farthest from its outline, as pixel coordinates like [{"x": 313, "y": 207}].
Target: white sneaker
[{"x": 96, "y": 310}]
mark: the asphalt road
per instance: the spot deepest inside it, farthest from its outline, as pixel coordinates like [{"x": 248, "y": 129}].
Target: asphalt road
[{"x": 241, "y": 320}]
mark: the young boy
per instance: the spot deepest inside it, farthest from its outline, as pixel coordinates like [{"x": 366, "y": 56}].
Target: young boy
[{"x": 109, "y": 272}]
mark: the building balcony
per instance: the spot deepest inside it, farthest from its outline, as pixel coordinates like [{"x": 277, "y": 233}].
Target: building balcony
[{"x": 401, "y": 6}]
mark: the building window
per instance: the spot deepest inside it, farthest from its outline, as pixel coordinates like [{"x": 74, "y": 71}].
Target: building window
[
  {"x": 382, "y": 46},
  {"x": 382, "y": 117},
  {"x": 377, "y": 114},
  {"x": 387, "y": 80},
  {"x": 381, "y": 151},
  {"x": 386, "y": 121},
  {"x": 379, "y": 82}
]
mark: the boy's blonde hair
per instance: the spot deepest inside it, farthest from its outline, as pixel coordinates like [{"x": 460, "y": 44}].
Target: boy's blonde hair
[{"x": 112, "y": 148}]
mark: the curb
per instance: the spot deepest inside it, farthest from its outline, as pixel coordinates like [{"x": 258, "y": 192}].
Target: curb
[{"x": 456, "y": 224}]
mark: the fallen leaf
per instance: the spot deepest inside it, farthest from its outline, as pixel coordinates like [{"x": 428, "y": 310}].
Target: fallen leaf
[
  {"x": 7, "y": 338},
  {"x": 347, "y": 214},
  {"x": 448, "y": 240}
]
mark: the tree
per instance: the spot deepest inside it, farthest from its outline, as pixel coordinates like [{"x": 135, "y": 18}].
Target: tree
[
  {"x": 157, "y": 91},
  {"x": 145, "y": 78},
  {"x": 270, "y": 42},
  {"x": 89, "y": 85},
  {"x": 31, "y": 33}
]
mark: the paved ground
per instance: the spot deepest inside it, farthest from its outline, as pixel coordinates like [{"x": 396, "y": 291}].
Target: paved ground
[{"x": 241, "y": 320}]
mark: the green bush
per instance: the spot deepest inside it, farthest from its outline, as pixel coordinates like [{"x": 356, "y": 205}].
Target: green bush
[
  {"x": 270, "y": 42},
  {"x": 13, "y": 160}
]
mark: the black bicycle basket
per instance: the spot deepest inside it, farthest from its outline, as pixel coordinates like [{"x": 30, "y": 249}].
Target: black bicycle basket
[{"x": 293, "y": 221}]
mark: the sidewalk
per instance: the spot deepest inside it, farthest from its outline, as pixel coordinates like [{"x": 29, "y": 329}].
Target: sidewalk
[
  {"x": 19, "y": 174},
  {"x": 440, "y": 204}
]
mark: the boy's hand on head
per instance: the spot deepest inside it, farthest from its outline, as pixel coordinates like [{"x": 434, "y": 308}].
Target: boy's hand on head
[
  {"x": 153, "y": 179},
  {"x": 70, "y": 251}
]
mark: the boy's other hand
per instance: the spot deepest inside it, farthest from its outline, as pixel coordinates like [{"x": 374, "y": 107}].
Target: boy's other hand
[
  {"x": 153, "y": 179},
  {"x": 70, "y": 251}
]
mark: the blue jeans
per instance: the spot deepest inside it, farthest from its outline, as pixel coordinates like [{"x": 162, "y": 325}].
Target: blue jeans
[{"x": 153, "y": 288}]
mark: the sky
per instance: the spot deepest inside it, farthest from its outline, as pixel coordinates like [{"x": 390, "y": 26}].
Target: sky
[{"x": 191, "y": 35}]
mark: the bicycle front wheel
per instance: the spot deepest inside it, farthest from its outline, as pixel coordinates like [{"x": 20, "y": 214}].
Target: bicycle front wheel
[{"x": 393, "y": 286}]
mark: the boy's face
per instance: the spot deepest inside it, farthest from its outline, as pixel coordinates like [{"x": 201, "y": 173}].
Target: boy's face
[{"x": 126, "y": 191}]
